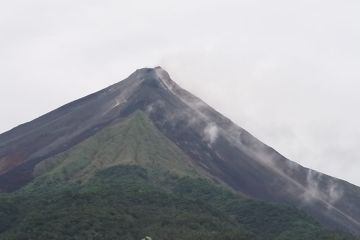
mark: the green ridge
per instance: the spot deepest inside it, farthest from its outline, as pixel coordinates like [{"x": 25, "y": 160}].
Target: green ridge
[
  {"x": 129, "y": 181},
  {"x": 133, "y": 141}
]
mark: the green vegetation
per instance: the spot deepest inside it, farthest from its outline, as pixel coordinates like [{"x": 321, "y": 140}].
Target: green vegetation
[
  {"x": 130, "y": 202},
  {"x": 130, "y": 182},
  {"x": 132, "y": 141}
]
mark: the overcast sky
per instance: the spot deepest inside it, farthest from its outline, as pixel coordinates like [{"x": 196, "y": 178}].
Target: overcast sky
[{"x": 287, "y": 71}]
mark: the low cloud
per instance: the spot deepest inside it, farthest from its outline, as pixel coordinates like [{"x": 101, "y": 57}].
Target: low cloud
[
  {"x": 284, "y": 71},
  {"x": 211, "y": 132}
]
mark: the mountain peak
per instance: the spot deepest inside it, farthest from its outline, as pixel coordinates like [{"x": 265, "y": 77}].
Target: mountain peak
[
  {"x": 154, "y": 77},
  {"x": 212, "y": 145}
]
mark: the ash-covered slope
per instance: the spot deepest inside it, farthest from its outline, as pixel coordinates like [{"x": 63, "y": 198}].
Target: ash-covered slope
[{"x": 215, "y": 146}]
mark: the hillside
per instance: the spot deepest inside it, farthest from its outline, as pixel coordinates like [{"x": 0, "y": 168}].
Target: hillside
[
  {"x": 150, "y": 122},
  {"x": 130, "y": 202}
]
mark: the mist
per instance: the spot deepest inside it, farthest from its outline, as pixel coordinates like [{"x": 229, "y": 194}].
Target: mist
[{"x": 287, "y": 72}]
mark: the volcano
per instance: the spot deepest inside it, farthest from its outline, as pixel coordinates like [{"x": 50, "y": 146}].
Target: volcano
[{"x": 148, "y": 121}]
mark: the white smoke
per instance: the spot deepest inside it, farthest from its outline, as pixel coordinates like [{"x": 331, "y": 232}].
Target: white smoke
[
  {"x": 335, "y": 193},
  {"x": 312, "y": 191},
  {"x": 330, "y": 192},
  {"x": 149, "y": 109},
  {"x": 315, "y": 188},
  {"x": 211, "y": 132}
]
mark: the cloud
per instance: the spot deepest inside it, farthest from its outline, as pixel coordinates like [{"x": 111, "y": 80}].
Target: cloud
[
  {"x": 285, "y": 71},
  {"x": 211, "y": 132}
]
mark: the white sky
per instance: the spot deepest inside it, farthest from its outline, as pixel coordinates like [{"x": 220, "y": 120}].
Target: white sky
[{"x": 287, "y": 71}]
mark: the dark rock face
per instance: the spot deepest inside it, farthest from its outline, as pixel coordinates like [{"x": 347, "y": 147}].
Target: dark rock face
[{"x": 225, "y": 152}]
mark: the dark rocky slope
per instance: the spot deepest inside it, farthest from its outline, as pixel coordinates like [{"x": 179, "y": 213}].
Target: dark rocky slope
[{"x": 216, "y": 147}]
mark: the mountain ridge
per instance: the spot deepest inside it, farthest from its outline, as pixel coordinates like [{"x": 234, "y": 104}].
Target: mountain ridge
[{"x": 216, "y": 145}]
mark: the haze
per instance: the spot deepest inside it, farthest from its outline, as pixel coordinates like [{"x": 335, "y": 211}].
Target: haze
[{"x": 287, "y": 71}]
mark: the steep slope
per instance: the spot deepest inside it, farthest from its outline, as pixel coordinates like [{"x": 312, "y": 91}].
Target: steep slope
[
  {"x": 132, "y": 141},
  {"x": 207, "y": 141}
]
